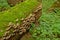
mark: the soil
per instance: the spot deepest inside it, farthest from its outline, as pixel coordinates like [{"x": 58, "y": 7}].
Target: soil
[{"x": 26, "y": 36}]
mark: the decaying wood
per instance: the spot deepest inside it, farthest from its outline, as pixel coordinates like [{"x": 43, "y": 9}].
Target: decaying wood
[
  {"x": 38, "y": 13},
  {"x": 15, "y": 31},
  {"x": 21, "y": 29},
  {"x": 25, "y": 36}
]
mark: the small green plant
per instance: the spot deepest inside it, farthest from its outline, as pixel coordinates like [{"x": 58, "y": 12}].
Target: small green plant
[
  {"x": 4, "y": 4},
  {"x": 49, "y": 28}
]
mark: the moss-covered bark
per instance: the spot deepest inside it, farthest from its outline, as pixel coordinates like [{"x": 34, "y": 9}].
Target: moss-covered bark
[{"x": 19, "y": 11}]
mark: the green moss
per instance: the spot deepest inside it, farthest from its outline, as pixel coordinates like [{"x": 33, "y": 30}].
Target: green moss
[{"x": 19, "y": 11}]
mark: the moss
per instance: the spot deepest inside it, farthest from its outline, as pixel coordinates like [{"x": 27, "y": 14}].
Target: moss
[{"x": 19, "y": 11}]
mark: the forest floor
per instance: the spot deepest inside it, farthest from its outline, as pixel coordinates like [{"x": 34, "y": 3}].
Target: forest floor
[{"x": 51, "y": 10}]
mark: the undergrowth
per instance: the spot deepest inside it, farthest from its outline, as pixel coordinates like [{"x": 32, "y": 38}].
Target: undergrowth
[{"x": 49, "y": 28}]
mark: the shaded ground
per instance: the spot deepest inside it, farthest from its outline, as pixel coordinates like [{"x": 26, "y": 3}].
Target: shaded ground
[{"x": 27, "y": 36}]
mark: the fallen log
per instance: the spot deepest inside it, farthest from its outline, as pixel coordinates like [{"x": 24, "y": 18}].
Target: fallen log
[
  {"x": 19, "y": 11},
  {"x": 20, "y": 29}
]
